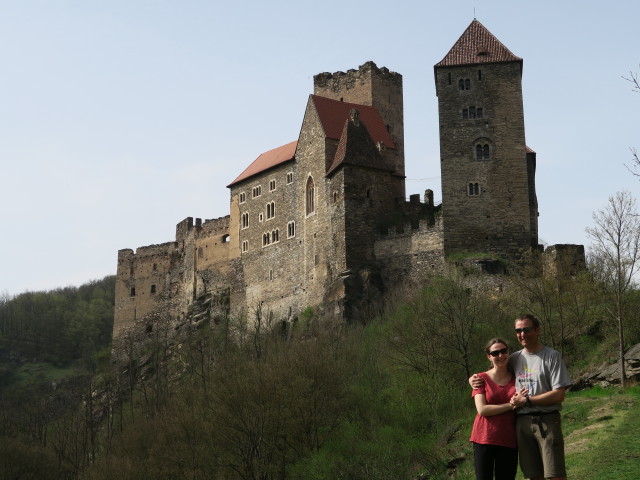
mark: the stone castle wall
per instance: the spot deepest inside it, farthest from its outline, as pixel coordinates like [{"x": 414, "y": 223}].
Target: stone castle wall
[
  {"x": 357, "y": 239},
  {"x": 498, "y": 217}
]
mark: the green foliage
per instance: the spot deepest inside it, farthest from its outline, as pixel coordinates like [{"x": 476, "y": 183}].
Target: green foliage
[
  {"x": 247, "y": 399},
  {"x": 306, "y": 315},
  {"x": 458, "y": 257},
  {"x": 59, "y": 326}
]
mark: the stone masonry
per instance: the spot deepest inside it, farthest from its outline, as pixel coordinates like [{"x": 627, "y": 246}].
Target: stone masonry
[{"x": 323, "y": 221}]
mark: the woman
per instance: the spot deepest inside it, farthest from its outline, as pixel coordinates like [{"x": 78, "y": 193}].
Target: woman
[{"x": 494, "y": 435}]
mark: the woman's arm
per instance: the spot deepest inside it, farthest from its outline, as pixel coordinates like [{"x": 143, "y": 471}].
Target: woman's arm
[{"x": 487, "y": 410}]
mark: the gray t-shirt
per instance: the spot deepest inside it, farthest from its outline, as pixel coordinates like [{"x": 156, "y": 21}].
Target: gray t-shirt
[{"x": 539, "y": 372}]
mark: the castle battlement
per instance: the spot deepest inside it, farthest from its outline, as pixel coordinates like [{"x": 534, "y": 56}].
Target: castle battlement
[
  {"x": 305, "y": 219},
  {"x": 337, "y": 80}
]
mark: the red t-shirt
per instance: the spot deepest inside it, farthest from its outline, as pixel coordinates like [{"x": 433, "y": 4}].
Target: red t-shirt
[{"x": 496, "y": 429}]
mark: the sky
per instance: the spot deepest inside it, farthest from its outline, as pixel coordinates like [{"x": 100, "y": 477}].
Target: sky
[{"x": 120, "y": 118}]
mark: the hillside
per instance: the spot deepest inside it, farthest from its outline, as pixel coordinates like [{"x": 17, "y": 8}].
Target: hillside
[{"x": 245, "y": 397}]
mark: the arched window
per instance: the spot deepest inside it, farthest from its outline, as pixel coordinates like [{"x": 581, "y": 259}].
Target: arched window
[
  {"x": 482, "y": 151},
  {"x": 311, "y": 205},
  {"x": 271, "y": 210}
]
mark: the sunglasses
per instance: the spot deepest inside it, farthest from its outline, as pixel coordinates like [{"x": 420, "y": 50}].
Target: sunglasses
[
  {"x": 495, "y": 353},
  {"x": 524, "y": 330}
]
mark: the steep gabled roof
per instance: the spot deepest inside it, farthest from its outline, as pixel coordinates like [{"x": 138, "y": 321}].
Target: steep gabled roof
[
  {"x": 477, "y": 45},
  {"x": 357, "y": 148},
  {"x": 268, "y": 160},
  {"x": 334, "y": 113}
]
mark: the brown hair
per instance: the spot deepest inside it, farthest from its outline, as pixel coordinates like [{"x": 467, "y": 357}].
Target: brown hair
[
  {"x": 493, "y": 341},
  {"x": 527, "y": 316}
]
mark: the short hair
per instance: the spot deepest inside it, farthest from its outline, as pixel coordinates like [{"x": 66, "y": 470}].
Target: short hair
[
  {"x": 493, "y": 341},
  {"x": 527, "y": 316}
]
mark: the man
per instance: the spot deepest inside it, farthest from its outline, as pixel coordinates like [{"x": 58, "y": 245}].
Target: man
[{"x": 542, "y": 372}]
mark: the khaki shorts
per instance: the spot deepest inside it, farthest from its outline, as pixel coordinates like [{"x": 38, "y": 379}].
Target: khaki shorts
[{"x": 541, "y": 445}]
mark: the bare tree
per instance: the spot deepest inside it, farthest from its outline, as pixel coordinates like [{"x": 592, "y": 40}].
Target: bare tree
[
  {"x": 616, "y": 244},
  {"x": 635, "y": 168}
]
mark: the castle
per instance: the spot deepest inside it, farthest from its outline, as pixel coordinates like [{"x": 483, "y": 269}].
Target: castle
[{"x": 324, "y": 220}]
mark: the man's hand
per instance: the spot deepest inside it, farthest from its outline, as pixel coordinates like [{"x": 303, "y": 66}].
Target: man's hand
[
  {"x": 519, "y": 398},
  {"x": 476, "y": 381}
]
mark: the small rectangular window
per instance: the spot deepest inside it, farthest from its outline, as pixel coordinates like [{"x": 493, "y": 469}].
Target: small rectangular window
[
  {"x": 472, "y": 112},
  {"x": 272, "y": 185},
  {"x": 465, "y": 113},
  {"x": 245, "y": 245},
  {"x": 243, "y": 197},
  {"x": 289, "y": 178},
  {"x": 256, "y": 191},
  {"x": 473, "y": 189},
  {"x": 153, "y": 289},
  {"x": 479, "y": 112}
]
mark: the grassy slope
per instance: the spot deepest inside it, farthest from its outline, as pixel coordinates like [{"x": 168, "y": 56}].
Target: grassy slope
[
  {"x": 601, "y": 428},
  {"x": 601, "y": 436}
]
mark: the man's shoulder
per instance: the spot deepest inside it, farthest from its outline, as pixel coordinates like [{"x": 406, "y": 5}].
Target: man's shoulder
[
  {"x": 549, "y": 352},
  {"x": 516, "y": 354}
]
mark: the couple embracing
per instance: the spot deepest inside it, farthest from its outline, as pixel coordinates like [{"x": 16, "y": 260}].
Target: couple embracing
[{"x": 518, "y": 401}]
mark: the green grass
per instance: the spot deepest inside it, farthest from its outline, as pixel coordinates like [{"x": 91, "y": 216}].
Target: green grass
[
  {"x": 601, "y": 428},
  {"x": 603, "y": 444},
  {"x": 30, "y": 373}
]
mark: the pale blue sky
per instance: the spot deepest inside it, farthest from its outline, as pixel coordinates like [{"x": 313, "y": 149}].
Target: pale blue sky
[{"x": 120, "y": 118}]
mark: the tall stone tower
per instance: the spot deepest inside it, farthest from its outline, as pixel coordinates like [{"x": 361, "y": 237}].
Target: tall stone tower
[
  {"x": 488, "y": 173},
  {"x": 373, "y": 86}
]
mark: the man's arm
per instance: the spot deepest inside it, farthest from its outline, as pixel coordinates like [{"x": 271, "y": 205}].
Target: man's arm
[{"x": 476, "y": 382}]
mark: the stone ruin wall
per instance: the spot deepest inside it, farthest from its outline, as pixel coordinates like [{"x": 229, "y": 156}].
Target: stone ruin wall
[
  {"x": 411, "y": 253},
  {"x": 164, "y": 279}
]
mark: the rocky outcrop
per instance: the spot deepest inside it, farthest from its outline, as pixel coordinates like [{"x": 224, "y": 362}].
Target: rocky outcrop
[{"x": 610, "y": 374}]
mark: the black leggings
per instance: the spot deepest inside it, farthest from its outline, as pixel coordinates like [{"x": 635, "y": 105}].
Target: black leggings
[{"x": 490, "y": 458}]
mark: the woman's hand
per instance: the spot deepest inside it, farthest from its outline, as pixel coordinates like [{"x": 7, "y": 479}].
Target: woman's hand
[{"x": 519, "y": 398}]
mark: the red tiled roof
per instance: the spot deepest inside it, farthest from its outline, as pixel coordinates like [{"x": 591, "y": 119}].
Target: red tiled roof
[
  {"x": 357, "y": 148},
  {"x": 267, "y": 160},
  {"x": 477, "y": 45},
  {"x": 334, "y": 113}
]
